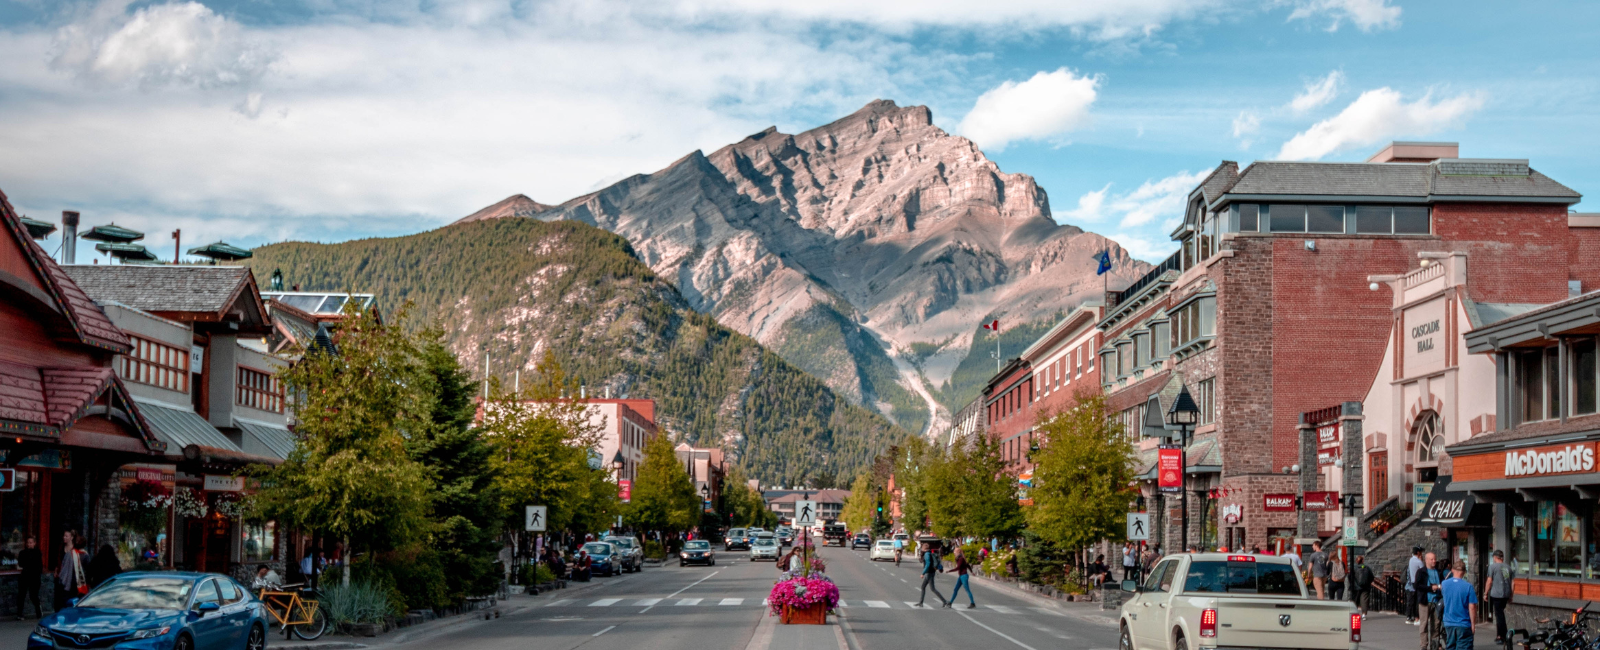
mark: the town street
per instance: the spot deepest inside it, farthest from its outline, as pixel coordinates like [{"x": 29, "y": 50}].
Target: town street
[{"x": 696, "y": 608}]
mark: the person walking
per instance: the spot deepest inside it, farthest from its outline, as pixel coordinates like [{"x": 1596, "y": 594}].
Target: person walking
[
  {"x": 1428, "y": 581},
  {"x": 1336, "y": 578},
  {"x": 1319, "y": 570},
  {"x": 1361, "y": 583},
  {"x": 1130, "y": 562},
  {"x": 1460, "y": 604},
  {"x": 1497, "y": 589},
  {"x": 104, "y": 566},
  {"x": 962, "y": 581},
  {"x": 1412, "y": 593},
  {"x": 31, "y": 563},
  {"x": 70, "y": 581},
  {"x": 931, "y": 567}
]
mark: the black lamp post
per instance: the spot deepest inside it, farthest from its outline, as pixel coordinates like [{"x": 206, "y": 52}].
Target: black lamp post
[{"x": 1184, "y": 414}]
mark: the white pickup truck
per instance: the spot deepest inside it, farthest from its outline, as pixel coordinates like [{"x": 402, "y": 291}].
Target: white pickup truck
[{"x": 1216, "y": 600}]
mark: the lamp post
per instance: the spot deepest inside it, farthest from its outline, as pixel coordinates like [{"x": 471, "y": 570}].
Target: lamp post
[{"x": 1184, "y": 414}]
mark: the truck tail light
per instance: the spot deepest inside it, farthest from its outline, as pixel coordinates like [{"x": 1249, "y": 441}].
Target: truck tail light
[
  {"x": 1208, "y": 624},
  {"x": 1355, "y": 627}
]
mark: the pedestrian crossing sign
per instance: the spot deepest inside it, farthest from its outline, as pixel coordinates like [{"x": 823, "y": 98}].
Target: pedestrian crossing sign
[
  {"x": 1138, "y": 526},
  {"x": 805, "y": 514}
]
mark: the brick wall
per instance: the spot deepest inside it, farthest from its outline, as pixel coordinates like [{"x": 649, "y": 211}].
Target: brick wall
[
  {"x": 1583, "y": 255},
  {"x": 1511, "y": 249}
]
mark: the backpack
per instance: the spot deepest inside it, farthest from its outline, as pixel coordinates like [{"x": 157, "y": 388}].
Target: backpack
[{"x": 1337, "y": 573}]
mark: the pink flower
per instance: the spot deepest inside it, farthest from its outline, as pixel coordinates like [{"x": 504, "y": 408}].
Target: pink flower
[{"x": 803, "y": 592}]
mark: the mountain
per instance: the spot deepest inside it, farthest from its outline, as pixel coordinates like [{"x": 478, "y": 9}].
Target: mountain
[
  {"x": 865, "y": 251},
  {"x": 514, "y": 288}
]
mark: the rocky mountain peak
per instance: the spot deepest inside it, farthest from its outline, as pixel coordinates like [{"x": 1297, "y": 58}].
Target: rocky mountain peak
[{"x": 516, "y": 205}]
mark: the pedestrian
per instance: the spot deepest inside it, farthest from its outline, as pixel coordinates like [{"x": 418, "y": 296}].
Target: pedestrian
[
  {"x": 584, "y": 564},
  {"x": 962, "y": 581},
  {"x": 931, "y": 567},
  {"x": 1098, "y": 570},
  {"x": 1428, "y": 581},
  {"x": 1361, "y": 583},
  {"x": 1293, "y": 554},
  {"x": 898, "y": 545},
  {"x": 104, "y": 566},
  {"x": 1255, "y": 549},
  {"x": 1130, "y": 562},
  {"x": 1413, "y": 599},
  {"x": 1011, "y": 563},
  {"x": 31, "y": 563},
  {"x": 1319, "y": 570},
  {"x": 70, "y": 581},
  {"x": 1498, "y": 590},
  {"x": 1336, "y": 579},
  {"x": 1460, "y": 603}
]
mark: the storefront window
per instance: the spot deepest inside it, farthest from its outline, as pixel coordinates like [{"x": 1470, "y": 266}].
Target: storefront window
[
  {"x": 1519, "y": 541},
  {"x": 1530, "y": 383},
  {"x": 1583, "y": 377},
  {"x": 1557, "y": 543},
  {"x": 19, "y": 517},
  {"x": 260, "y": 538}
]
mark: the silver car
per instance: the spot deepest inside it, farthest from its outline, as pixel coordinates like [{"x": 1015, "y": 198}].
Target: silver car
[
  {"x": 630, "y": 553},
  {"x": 764, "y": 547}
]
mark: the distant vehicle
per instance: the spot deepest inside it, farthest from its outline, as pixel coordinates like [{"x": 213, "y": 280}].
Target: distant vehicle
[
  {"x": 785, "y": 535},
  {"x": 765, "y": 547},
  {"x": 753, "y": 531},
  {"x": 697, "y": 551},
  {"x": 883, "y": 549},
  {"x": 832, "y": 533},
  {"x": 630, "y": 552},
  {"x": 603, "y": 558},
  {"x": 150, "y": 609},
  {"x": 862, "y": 540},
  {"x": 737, "y": 537},
  {"x": 1221, "y": 600}
]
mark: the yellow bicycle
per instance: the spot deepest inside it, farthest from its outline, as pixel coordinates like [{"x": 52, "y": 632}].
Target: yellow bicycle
[{"x": 295, "y": 614}]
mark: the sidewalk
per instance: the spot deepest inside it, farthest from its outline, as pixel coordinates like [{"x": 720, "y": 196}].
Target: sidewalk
[{"x": 1388, "y": 631}]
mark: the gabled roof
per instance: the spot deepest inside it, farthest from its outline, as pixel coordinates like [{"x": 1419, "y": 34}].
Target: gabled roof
[
  {"x": 48, "y": 401},
  {"x": 56, "y": 291},
  {"x": 182, "y": 293},
  {"x": 1218, "y": 182}
]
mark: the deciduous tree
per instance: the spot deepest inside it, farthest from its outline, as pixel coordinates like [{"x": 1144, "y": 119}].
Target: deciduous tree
[{"x": 1080, "y": 483}]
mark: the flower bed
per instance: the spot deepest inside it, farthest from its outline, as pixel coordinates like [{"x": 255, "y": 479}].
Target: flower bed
[{"x": 803, "y": 593}]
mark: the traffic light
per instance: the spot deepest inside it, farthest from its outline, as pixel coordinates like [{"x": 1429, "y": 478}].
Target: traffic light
[{"x": 880, "y": 509}]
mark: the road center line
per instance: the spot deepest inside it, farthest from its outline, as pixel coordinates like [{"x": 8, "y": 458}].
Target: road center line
[
  {"x": 1002, "y": 635},
  {"x": 613, "y": 628},
  {"x": 691, "y": 585}
]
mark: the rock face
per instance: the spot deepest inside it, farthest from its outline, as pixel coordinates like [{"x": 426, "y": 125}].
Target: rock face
[{"x": 865, "y": 251}]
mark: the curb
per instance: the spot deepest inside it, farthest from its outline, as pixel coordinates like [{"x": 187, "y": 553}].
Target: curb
[
  {"x": 1054, "y": 603},
  {"x": 333, "y": 645}
]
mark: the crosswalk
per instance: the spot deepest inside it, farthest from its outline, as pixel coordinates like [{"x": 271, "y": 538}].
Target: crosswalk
[{"x": 762, "y": 602}]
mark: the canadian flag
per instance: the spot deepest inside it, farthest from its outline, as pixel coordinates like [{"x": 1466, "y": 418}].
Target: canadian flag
[{"x": 992, "y": 325}]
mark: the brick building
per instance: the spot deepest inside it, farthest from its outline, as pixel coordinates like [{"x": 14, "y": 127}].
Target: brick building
[{"x": 1044, "y": 380}]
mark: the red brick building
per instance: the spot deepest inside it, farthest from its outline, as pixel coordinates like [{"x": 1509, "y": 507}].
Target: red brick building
[{"x": 1044, "y": 380}]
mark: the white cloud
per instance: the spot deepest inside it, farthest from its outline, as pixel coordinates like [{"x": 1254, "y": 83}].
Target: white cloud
[
  {"x": 1378, "y": 116},
  {"x": 1047, "y": 105},
  {"x": 1368, "y": 15},
  {"x": 1151, "y": 250},
  {"x": 183, "y": 44},
  {"x": 1318, "y": 93},
  {"x": 1091, "y": 207},
  {"x": 1245, "y": 125},
  {"x": 1094, "y": 19},
  {"x": 1153, "y": 199}
]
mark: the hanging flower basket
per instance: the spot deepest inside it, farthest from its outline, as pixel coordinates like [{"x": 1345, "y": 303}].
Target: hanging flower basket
[
  {"x": 188, "y": 504},
  {"x": 803, "y": 600}
]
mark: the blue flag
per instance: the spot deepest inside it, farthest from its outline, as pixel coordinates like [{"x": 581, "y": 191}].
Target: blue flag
[{"x": 1105, "y": 262}]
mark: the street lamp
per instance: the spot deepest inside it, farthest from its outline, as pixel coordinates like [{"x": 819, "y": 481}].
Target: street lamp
[
  {"x": 617, "y": 462},
  {"x": 1184, "y": 414}
]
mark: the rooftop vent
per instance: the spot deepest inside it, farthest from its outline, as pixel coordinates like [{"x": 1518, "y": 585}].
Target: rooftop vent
[
  {"x": 1416, "y": 152},
  {"x": 1483, "y": 166}
]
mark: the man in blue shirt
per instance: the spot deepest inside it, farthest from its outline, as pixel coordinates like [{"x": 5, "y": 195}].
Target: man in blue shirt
[
  {"x": 1460, "y": 602},
  {"x": 1411, "y": 589}
]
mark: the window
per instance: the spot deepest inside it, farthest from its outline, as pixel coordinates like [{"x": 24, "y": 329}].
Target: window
[
  {"x": 1249, "y": 217},
  {"x": 1160, "y": 580},
  {"x": 1325, "y": 218},
  {"x": 1141, "y": 349},
  {"x": 1530, "y": 384},
  {"x": 207, "y": 593},
  {"x": 1584, "y": 379},
  {"x": 156, "y": 364},
  {"x": 1557, "y": 543},
  {"x": 1287, "y": 217},
  {"x": 1196, "y": 319},
  {"x": 1242, "y": 577},
  {"x": 231, "y": 593},
  {"x": 1161, "y": 337},
  {"x": 259, "y": 390},
  {"x": 1397, "y": 220},
  {"x": 1429, "y": 436},
  {"x": 1108, "y": 362},
  {"x": 1377, "y": 477},
  {"x": 1411, "y": 220},
  {"x": 260, "y": 539},
  {"x": 1204, "y": 397}
]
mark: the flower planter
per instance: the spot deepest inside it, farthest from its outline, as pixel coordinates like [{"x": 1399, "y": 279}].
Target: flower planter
[
  {"x": 810, "y": 615},
  {"x": 364, "y": 629}
]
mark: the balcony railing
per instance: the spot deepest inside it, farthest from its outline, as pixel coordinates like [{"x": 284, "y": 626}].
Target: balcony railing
[
  {"x": 1423, "y": 274},
  {"x": 1172, "y": 263}
]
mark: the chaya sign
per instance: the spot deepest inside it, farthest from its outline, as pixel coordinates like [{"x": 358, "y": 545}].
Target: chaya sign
[
  {"x": 1169, "y": 469},
  {"x": 1278, "y": 502}
]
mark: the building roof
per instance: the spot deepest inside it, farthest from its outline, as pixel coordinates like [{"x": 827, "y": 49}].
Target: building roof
[
  {"x": 822, "y": 496},
  {"x": 164, "y": 289},
  {"x": 1579, "y": 313},
  {"x": 279, "y": 439},
  {"x": 1441, "y": 180},
  {"x": 1219, "y": 181},
  {"x": 181, "y": 427},
  {"x": 48, "y": 401},
  {"x": 75, "y": 311}
]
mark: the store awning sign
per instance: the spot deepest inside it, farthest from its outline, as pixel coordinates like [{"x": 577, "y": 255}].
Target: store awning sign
[
  {"x": 215, "y": 483},
  {"x": 1447, "y": 508},
  {"x": 1321, "y": 501},
  {"x": 1282, "y": 502},
  {"x": 1169, "y": 469}
]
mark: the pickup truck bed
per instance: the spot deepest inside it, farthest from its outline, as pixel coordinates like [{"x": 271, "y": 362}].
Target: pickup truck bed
[{"x": 1211, "y": 600}]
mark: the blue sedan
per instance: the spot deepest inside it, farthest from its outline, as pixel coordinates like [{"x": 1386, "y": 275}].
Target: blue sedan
[{"x": 158, "y": 611}]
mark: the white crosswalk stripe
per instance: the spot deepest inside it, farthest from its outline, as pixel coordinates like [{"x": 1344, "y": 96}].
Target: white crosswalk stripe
[
  {"x": 685, "y": 602},
  {"x": 876, "y": 603},
  {"x": 559, "y": 603},
  {"x": 725, "y": 601},
  {"x": 646, "y": 602},
  {"x": 605, "y": 602},
  {"x": 908, "y": 603},
  {"x": 1047, "y": 610},
  {"x": 1002, "y": 609},
  {"x": 841, "y": 600}
]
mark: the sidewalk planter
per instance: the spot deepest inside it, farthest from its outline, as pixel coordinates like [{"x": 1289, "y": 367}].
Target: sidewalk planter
[
  {"x": 363, "y": 629},
  {"x": 809, "y": 615}
]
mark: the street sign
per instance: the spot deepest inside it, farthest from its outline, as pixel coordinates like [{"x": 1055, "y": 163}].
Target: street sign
[
  {"x": 1352, "y": 542},
  {"x": 625, "y": 490},
  {"x": 805, "y": 514},
  {"x": 1351, "y": 526},
  {"x": 534, "y": 518},
  {"x": 1138, "y": 526}
]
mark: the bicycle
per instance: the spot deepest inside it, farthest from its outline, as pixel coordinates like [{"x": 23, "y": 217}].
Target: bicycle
[{"x": 294, "y": 614}]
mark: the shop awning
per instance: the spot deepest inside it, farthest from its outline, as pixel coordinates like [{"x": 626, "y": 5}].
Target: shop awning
[
  {"x": 1447, "y": 507},
  {"x": 273, "y": 439},
  {"x": 180, "y": 428}
]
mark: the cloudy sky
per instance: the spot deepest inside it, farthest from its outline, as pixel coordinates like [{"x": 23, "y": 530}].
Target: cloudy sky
[{"x": 262, "y": 120}]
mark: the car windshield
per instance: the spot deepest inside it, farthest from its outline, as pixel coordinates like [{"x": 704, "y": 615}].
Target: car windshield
[
  {"x": 622, "y": 541},
  {"x": 140, "y": 593},
  {"x": 736, "y": 532},
  {"x": 597, "y": 548},
  {"x": 696, "y": 545},
  {"x": 1213, "y": 576},
  {"x": 884, "y": 543},
  {"x": 764, "y": 541}
]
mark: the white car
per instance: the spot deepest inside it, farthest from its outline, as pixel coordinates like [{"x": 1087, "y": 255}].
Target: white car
[
  {"x": 882, "y": 549},
  {"x": 1211, "y": 600},
  {"x": 764, "y": 547}
]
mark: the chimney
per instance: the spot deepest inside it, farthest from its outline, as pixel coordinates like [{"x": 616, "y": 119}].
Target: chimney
[
  {"x": 177, "y": 245},
  {"x": 1416, "y": 152},
  {"x": 69, "y": 237}
]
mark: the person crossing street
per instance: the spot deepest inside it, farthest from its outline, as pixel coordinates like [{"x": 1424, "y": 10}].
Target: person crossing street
[
  {"x": 931, "y": 567},
  {"x": 961, "y": 581}
]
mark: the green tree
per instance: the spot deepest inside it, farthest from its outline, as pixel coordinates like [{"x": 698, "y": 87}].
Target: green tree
[
  {"x": 991, "y": 508},
  {"x": 910, "y": 480},
  {"x": 1080, "y": 481},
  {"x": 351, "y": 476},
  {"x": 945, "y": 479},
  {"x": 664, "y": 498},
  {"x": 861, "y": 507},
  {"x": 744, "y": 504}
]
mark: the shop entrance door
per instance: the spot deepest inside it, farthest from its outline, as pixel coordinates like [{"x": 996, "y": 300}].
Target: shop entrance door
[
  {"x": 1473, "y": 550},
  {"x": 205, "y": 543}
]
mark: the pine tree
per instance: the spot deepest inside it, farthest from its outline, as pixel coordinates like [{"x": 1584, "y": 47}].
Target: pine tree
[
  {"x": 861, "y": 507},
  {"x": 991, "y": 493}
]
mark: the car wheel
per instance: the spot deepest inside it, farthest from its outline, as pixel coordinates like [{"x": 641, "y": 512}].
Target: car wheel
[
  {"x": 680, "y": 562},
  {"x": 257, "y": 640},
  {"x": 1126, "y": 641},
  {"x": 1180, "y": 643},
  {"x": 184, "y": 643}
]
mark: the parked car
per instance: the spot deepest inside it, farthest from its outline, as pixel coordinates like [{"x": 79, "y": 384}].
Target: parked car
[
  {"x": 863, "y": 540},
  {"x": 697, "y": 551},
  {"x": 883, "y": 549},
  {"x": 736, "y": 538},
  {"x": 765, "y": 547},
  {"x": 603, "y": 558},
  {"x": 629, "y": 550},
  {"x": 152, "y": 609},
  {"x": 1220, "y": 600}
]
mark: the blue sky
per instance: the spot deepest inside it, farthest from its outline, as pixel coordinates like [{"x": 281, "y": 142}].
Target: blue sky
[{"x": 262, "y": 120}]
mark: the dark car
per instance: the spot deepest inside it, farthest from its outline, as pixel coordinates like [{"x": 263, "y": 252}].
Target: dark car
[
  {"x": 603, "y": 558},
  {"x": 785, "y": 536},
  {"x": 630, "y": 555},
  {"x": 861, "y": 540},
  {"x": 835, "y": 533},
  {"x": 737, "y": 538},
  {"x": 697, "y": 551},
  {"x": 145, "y": 610}
]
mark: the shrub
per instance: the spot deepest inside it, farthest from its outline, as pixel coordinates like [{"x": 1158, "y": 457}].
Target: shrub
[
  {"x": 653, "y": 550},
  {"x": 361, "y": 602},
  {"x": 537, "y": 573}
]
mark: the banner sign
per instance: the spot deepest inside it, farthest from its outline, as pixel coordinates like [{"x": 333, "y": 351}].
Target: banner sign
[
  {"x": 216, "y": 483},
  {"x": 148, "y": 475},
  {"x": 1169, "y": 469},
  {"x": 625, "y": 490},
  {"x": 1283, "y": 502},
  {"x": 1321, "y": 501},
  {"x": 1232, "y": 513}
]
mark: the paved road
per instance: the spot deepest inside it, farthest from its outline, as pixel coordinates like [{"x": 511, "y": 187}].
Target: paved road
[{"x": 699, "y": 608}]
